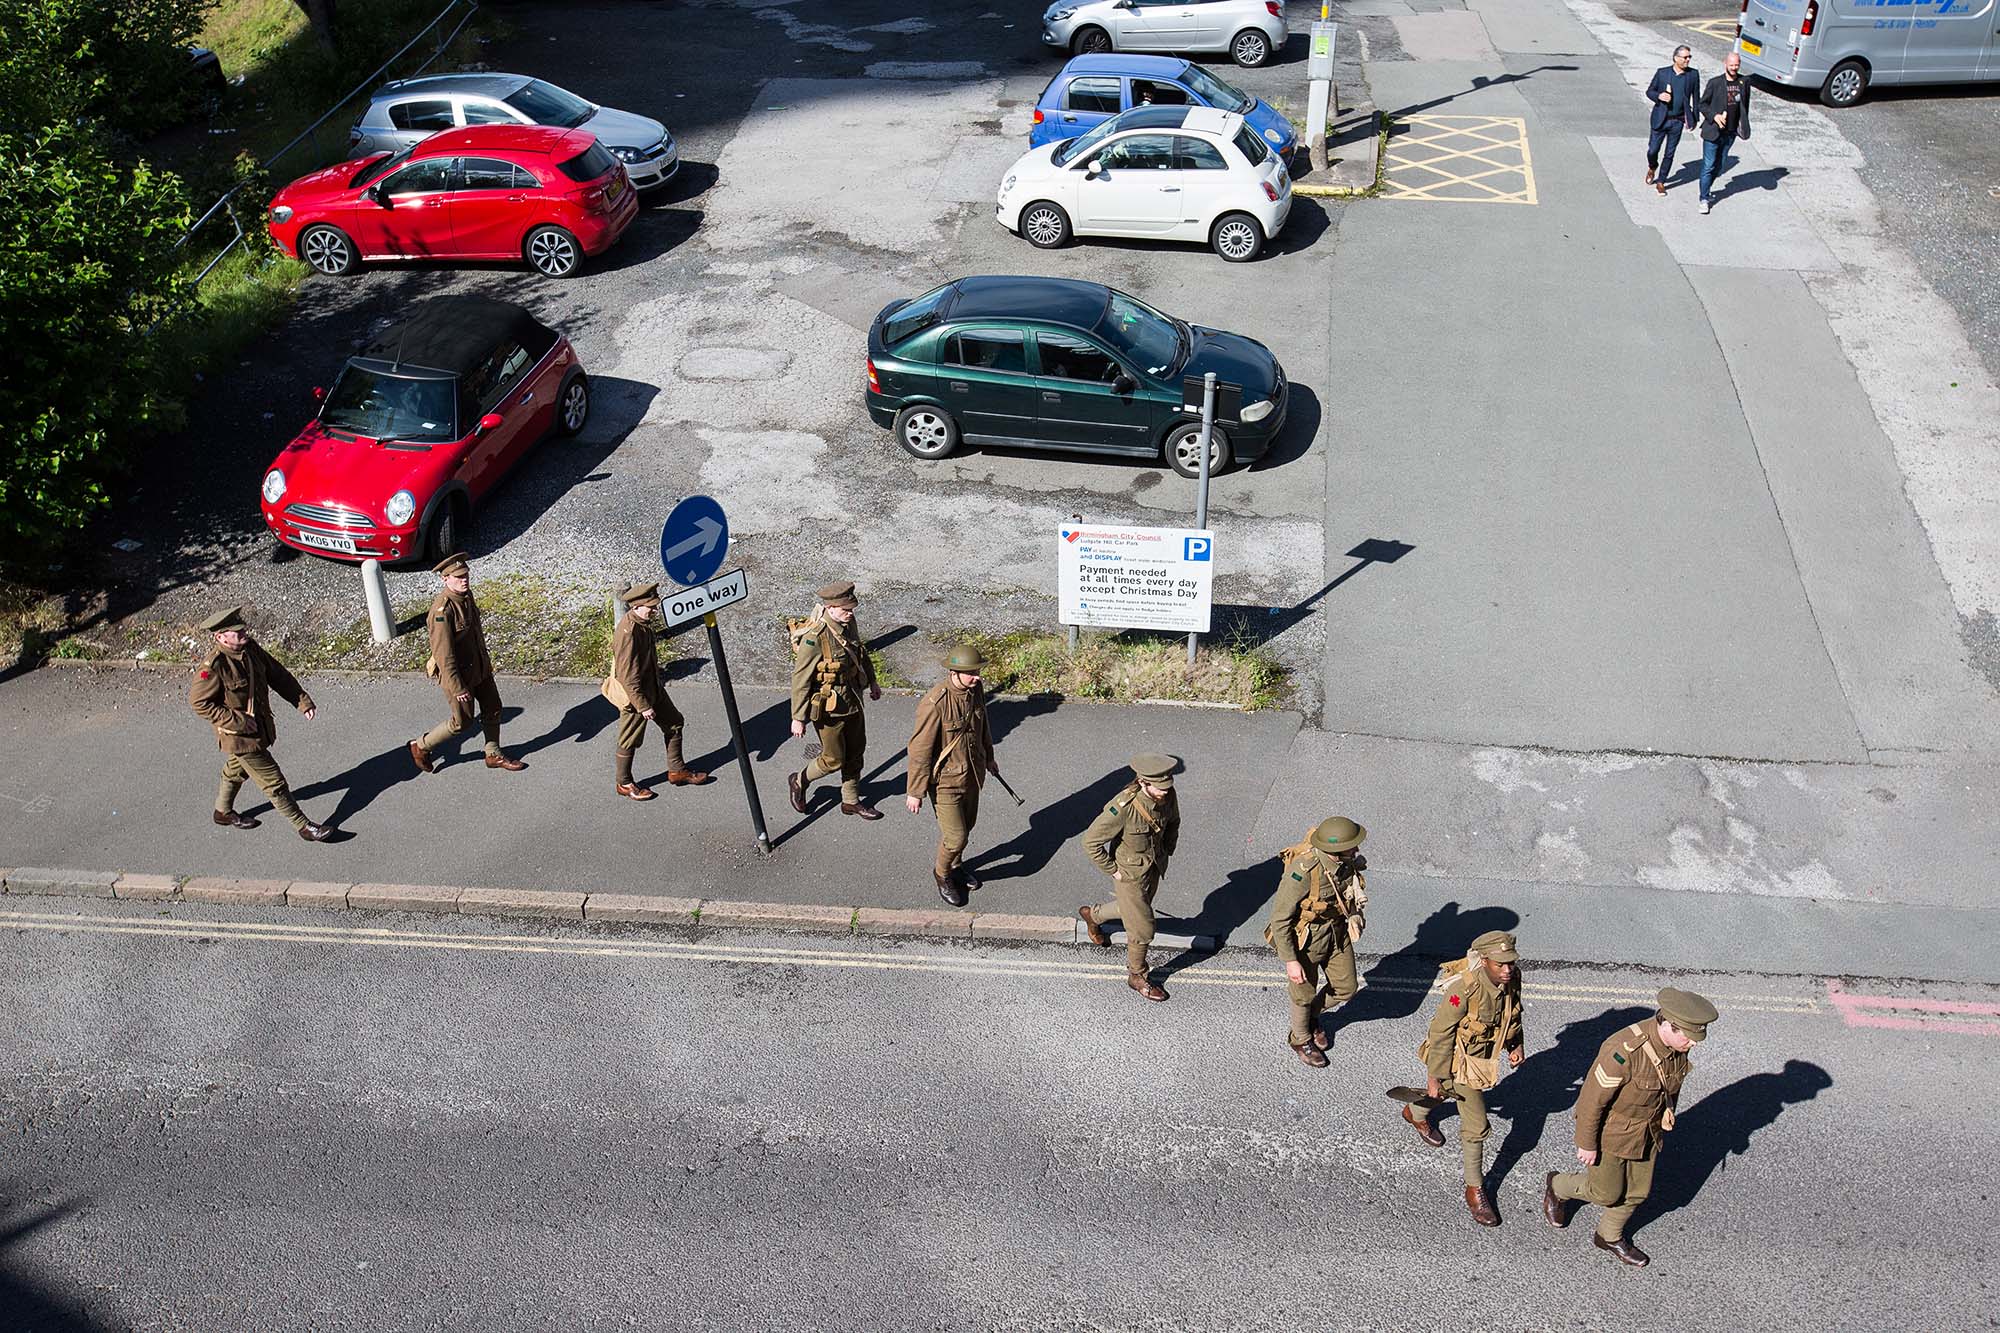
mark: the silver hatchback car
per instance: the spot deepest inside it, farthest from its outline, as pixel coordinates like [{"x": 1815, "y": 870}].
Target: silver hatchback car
[
  {"x": 1251, "y": 31},
  {"x": 411, "y": 110}
]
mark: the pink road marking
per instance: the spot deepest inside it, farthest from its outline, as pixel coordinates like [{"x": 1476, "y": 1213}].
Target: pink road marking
[{"x": 1855, "y": 1010}]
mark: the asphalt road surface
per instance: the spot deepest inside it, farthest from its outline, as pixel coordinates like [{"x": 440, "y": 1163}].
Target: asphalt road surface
[{"x": 220, "y": 1124}]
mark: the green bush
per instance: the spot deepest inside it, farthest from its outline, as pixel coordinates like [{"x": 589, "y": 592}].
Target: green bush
[
  {"x": 120, "y": 62},
  {"x": 85, "y": 244}
]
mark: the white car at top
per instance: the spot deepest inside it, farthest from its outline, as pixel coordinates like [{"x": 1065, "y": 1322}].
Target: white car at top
[
  {"x": 1177, "y": 173},
  {"x": 1251, "y": 31}
]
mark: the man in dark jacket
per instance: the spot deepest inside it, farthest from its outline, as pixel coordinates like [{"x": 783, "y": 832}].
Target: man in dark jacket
[
  {"x": 1673, "y": 93},
  {"x": 1725, "y": 117}
]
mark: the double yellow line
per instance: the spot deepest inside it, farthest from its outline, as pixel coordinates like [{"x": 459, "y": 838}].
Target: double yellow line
[{"x": 708, "y": 951}]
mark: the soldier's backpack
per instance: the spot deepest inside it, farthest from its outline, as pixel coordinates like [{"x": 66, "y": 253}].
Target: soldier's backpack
[{"x": 826, "y": 673}]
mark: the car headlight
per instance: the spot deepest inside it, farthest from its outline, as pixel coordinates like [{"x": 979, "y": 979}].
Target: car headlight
[
  {"x": 402, "y": 505},
  {"x": 1274, "y": 136},
  {"x": 1007, "y": 184},
  {"x": 1058, "y": 15},
  {"x": 1256, "y": 411},
  {"x": 281, "y": 213},
  {"x": 626, "y": 154},
  {"x": 274, "y": 486}
]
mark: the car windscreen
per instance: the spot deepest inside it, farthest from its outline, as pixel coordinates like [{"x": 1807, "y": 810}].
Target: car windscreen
[
  {"x": 390, "y": 407},
  {"x": 1143, "y": 335},
  {"x": 1252, "y": 147},
  {"x": 546, "y": 104},
  {"x": 1081, "y": 148},
  {"x": 913, "y": 315},
  {"x": 1215, "y": 92},
  {"x": 588, "y": 165},
  {"x": 380, "y": 167}
]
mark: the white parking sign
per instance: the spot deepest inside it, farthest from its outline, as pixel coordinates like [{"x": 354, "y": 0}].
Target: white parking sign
[{"x": 1135, "y": 578}]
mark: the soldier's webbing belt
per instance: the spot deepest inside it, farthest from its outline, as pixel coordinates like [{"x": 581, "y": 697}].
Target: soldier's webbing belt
[{"x": 1316, "y": 906}]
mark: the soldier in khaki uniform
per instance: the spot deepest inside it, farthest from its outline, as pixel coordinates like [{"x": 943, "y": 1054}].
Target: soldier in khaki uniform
[
  {"x": 1478, "y": 1017},
  {"x": 1315, "y": 923},
  {"x": 231, "y": 691},
  {"x": 462, "y": 668},
  {"x": 641, "y": 697},
  {"x": 1625, "y": 1106},
  {"x": 951, "y": 752},
  {"x": 830, "y": 669},
  {"x": 1131, "y": 842}
]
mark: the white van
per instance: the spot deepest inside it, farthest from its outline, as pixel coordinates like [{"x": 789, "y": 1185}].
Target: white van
[{"x": 1843, "y": 46}]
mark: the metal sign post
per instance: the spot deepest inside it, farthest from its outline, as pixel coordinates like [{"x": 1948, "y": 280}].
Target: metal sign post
[
  {"x": 1201, "y": 482},
  {"x": 693, "y": 543}
]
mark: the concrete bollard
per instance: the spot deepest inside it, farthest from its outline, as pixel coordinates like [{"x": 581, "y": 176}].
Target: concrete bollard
[{"x": 376, "y": 589}]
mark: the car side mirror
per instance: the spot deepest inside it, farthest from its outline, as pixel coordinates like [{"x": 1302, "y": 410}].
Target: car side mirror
[
  {"x": 319, "y": 393},
  {"x": 375, "y": 196},
  {"x": 1124, "y": 384},
  {"x": 491, "y": 421},
  {"x": 1094, "y": 167}
]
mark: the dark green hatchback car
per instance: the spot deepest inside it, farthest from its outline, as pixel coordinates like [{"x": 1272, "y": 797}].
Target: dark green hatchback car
[{"x": 1051, "y": 363}]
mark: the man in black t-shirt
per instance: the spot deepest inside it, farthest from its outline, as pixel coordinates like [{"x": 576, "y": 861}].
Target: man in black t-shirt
[{"x": 1725, "y": 116}]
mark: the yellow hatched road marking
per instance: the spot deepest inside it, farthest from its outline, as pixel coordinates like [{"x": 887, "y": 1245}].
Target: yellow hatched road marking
[
  {"x": 711, "y": 952},
  {"x": 1432, "y": 158},
  {"x": 1722, "y": 30}
]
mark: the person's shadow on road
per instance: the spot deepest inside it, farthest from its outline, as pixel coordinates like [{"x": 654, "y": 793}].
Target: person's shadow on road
[
  {"x": 1396, "y": 985},
  {"x": 359, "y": 786},
  {"x": 584, "y": 721},
  {"x": 1051, "y": 826},
  {"x": 1719, "y": 1127},
  {"x": 1545, "y": 1085}
]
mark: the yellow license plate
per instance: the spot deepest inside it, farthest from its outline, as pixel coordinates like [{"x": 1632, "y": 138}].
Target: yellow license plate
[
  {"x": 613, "y": 190},
  {"x": 1751, "y": 48}
]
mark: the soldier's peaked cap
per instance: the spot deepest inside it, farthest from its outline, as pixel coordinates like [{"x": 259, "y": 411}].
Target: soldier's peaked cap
[
  {"x": 222, "y": 620},
  {"x": 1338, "y": 834},
  {"x": 1687, "y": 1011},
  {"x": 1497, "y": 945},
  {"x": 1157, "y": 769},
  {"x": 458, "y": 562},
  {"x": 641, "y": 592},
  {"x": 837, "y": 594},
  {"x": 966, "y": 657}
]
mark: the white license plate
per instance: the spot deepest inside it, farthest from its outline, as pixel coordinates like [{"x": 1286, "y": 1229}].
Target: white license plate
[{"x": 345, "y": 545}]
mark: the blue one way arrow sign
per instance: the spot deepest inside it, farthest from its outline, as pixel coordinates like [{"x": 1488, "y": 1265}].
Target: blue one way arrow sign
[{"x": 694, "y": 541}]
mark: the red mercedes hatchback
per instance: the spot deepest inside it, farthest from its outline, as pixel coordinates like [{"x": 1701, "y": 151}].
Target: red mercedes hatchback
[
  {"x": 421, "y": 424},
  {"x": 546, "y": 195}
]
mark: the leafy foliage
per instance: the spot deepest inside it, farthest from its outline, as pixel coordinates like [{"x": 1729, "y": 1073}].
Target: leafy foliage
[
  {"x": 84, "y": 264},
  {"x": 123, "y": 63}
]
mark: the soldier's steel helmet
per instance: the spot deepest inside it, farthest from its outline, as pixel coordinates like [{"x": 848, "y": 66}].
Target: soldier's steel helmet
[
  {"x": 965, "y": 657},
  {"x": 1338, "y": 834}
]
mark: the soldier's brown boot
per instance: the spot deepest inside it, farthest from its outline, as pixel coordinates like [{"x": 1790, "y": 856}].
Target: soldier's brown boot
[
  {"x": 635, "y": 791},
  {"x": 1624, "y": 1251},
  {"x": 422, "y": 757},
  {"x": 1310, "y": 1054},
  {"x": 1091, "y": 929},
  {"x": 502, "y": 761},
  {"x": 1321, "y": 1039},
  {"x": 315, "y": 833},
  {"x": 1145, "y": 985},
  {"x": 686, "y": 778},
  {"x": 1481, "y": 1206},
  {"x": 1425, "y": 1129},
  {"x": 230, "y": 819},
  {"x": 860, "y": 809},
  {"x": 795, "y": 787},
  {"x": 966, "y": 878},
  {"x": 1556, "y": 1210},
  {"x": 948, "y": 889}
]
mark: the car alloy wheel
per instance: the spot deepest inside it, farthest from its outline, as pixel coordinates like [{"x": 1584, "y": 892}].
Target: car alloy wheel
[
  {"x": 1250, "y": 49},
  {"x": 1044, "y": 225},
  {"x": 1845, "y": 85},
  {"x": 1237, "y": 239},
  {"x": 327, "y": 251},
  {"x": 926, "y": 431},
  {"x": 1184, "y": 451},
  {"x": 553, "y": 252},
  {"x": 1090, "y": 42},
  {"x": 574, "y": 409}
]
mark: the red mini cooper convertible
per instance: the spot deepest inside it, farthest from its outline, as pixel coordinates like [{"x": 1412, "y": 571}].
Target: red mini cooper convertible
[{"x": 419, "y": 427}]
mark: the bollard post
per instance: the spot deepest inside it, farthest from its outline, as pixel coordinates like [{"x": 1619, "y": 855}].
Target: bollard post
[{"x": 376, "y": 590}]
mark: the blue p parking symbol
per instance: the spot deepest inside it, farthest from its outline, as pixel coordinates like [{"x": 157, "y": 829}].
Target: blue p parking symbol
[{"x": 1194, "y": 548}]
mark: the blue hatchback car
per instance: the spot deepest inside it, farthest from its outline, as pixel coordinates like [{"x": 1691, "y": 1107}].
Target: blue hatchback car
[{"x": 1092, "y": 89}]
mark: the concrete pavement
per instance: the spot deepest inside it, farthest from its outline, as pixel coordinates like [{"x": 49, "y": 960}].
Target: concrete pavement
[{"x": 224, "y": 1124}]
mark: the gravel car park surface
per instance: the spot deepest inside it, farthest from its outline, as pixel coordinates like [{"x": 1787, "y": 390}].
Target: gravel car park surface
[{"x": 725, "y": 337}]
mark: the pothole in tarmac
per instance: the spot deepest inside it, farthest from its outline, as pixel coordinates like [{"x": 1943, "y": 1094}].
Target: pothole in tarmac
[{"x": 734, "y": 363}]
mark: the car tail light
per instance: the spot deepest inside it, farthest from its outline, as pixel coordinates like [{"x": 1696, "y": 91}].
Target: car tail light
[
  {"x": 1037, "y": 117},
  {"x": 1277, "y": 11},
  {"x": 1270, "y": 192},
  {"x": 874, "y": 382},
  {"x": 1812, "y": 17}
]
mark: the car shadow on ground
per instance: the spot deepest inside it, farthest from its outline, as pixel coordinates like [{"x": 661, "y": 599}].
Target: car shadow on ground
[{"x": 693, "y": 180}]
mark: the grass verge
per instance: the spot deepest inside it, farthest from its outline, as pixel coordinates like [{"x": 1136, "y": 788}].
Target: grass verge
[
  {"x": 533, "y": 628},
  {"x": 1230, "y": 668}
]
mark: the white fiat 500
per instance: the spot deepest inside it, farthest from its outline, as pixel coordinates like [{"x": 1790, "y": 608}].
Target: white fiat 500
[{"x": 1180, "y": 173}]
